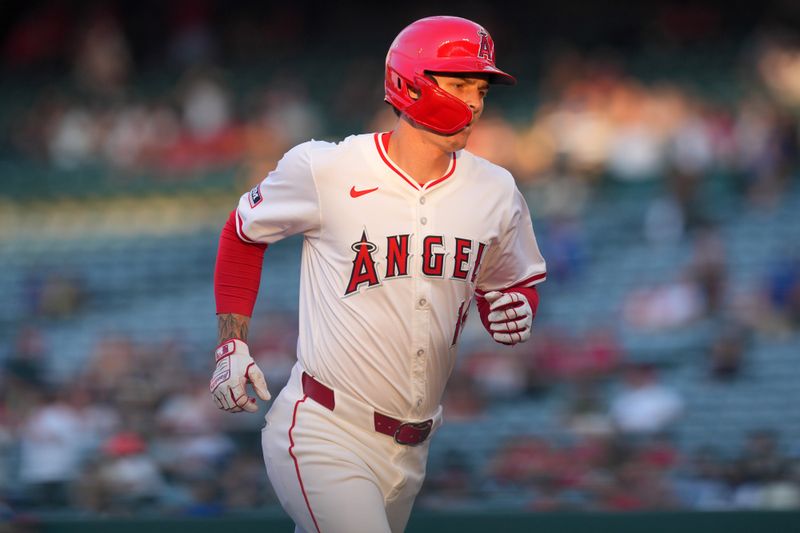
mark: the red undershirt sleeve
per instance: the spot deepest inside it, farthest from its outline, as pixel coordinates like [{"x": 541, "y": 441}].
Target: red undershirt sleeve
[
  {"x": 529, "y": 292},
  {"x": 237, "y": 274}
]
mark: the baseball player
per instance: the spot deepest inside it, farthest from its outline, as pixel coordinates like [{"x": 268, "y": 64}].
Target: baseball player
[{"x": 402, "y": 229}]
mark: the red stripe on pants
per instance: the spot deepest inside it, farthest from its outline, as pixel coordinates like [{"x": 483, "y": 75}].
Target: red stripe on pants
[{"x": 297, "y": 465}]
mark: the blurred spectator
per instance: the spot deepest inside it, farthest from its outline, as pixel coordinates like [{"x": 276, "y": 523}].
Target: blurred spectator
[
  {"x": 27, "y": 362},
  {"x": 7, "y": 444},
  {"x": 684, "y": 187},
  {"x": 664, "y": 306},
  {"x": 660, "y": 452},
  {"x": 522, "y": 462},
  {"x": 113, "y": 358},
  {"x": 54, "y": 293},
  {"x": 644, "y": 405},
  {"x": 552, "y": 350},
  {"x": 494, "y": 139},
  {"x": 497, "y": 375},
  {"x": 708, "y": 269},
  {"x": 449, "y": 486},
  {"x": 762, "y": 476},
  {"x": 206, "y": 496},
  {"x": 71, "y": 137},
  {"x": 561, "y": 194},
  {"x": 601, "y": 352},
  {"x": 99, "y": 420},
  {"x": 702, "y": 481},
  {"x": 782, "y": 494},
  {"x": 139, "y": 136},
  {"x": 585, "y": 413},
  {"x": 637, "y": 485},
  {"x": 244, "y": 485},
  {"x": 766, "y": 145},
  {"x": 592, "y": 356},
  {"x": 24, "y": 374},
  {"x": 761, "y": 460},
  {"x": 209, "y": 137},
  {"x": 289, "y": 112},
  {"x": 783, "y": 286},
  {"x": 103, "y": 57},
  {"x": 129, "y": 478},
  {"x": 563, "y": 242},
  {"x": 188, "y": 438},
  {"x": 727, "y": 352},
  {"x": 691, "y": 151},
  {"x": 62, "y": 296},
  {"x": 635, "y": 153},
  {"x": 52, "y": 443},
  {"x": 191, "y": 42}
]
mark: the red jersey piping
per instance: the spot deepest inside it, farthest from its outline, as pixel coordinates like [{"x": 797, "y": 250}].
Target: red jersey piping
[{"x": 382, "y": 145}]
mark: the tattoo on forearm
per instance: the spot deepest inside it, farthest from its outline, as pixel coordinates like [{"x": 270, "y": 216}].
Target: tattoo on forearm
[{"x": 232, "y": 326}]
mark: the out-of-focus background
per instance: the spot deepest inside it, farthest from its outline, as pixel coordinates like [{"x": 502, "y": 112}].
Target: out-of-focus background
[{"x": 656, "y": 143}]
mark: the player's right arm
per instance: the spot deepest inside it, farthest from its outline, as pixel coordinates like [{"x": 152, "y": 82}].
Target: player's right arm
[
  {"x": 283, "y": 204},
  {"x": 236, "y": 278}
]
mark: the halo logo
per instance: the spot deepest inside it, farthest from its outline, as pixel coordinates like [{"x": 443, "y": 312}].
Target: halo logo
[{"x": 486, "y": 49}]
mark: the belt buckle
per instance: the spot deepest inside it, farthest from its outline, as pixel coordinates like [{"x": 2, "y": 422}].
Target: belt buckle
[{"x": 412, "y": 433}]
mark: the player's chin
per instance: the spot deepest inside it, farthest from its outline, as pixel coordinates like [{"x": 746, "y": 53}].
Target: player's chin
[{"x": 458, "y": 140}]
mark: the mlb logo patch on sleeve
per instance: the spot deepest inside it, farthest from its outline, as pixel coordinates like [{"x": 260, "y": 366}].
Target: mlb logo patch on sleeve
[{"x": 255, "y": 195}]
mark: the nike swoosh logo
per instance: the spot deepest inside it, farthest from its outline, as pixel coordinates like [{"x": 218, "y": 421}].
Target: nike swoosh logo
[{"x": 355, "y": 194}]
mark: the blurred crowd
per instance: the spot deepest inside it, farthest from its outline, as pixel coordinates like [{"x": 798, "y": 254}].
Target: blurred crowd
[
  {"x": 610, "y": 473},
  {"x": 102, "y": 113},
  {"x": 586, "y": 117},
  {"x": 132, "y": 431},
  {"x": 135, "y": 429}
]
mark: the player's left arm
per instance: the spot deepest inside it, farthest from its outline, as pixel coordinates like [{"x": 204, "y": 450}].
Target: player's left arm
[{"x": 506, "y": 290}]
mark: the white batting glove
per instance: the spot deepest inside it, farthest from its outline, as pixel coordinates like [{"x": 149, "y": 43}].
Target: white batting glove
[
  {"x": 234, "y": 369},
  {"x": 510, "y": 317}
]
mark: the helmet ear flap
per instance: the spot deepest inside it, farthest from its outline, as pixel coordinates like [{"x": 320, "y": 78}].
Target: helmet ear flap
[
  {"x": 431, "y": 106},
  {"x": 436, "y": 109},
  {"x": 407, "y": 89}
]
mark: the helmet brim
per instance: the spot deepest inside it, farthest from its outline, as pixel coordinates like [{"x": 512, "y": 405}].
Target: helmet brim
[{"x": 465, "y": 68}]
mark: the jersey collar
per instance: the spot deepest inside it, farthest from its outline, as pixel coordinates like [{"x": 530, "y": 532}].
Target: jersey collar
[{"x": 382, "y": 145}]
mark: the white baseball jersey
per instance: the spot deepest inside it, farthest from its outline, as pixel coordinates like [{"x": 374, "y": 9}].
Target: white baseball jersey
[{"x": 389, "y": 267}]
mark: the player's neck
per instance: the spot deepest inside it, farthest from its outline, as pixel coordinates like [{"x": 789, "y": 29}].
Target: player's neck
[{"x": 414, "y": 152}]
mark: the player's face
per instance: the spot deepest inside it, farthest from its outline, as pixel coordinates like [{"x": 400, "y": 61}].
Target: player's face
[{"x": 470, "y": 90}]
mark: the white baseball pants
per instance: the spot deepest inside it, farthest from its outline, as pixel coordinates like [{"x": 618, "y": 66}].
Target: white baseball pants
[{"x": 332, "y": 472}]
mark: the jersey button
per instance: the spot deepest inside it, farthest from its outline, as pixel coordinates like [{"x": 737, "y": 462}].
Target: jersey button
[
  {"x": 423, "y": 221},
  {"x": 422, "y": 302},
  {"x": 422, "y": 200},
  {"x": 420, "y": 352}
]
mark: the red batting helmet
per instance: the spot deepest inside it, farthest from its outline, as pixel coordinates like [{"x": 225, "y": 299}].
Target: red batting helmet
[{"x": 438, "y": 45}]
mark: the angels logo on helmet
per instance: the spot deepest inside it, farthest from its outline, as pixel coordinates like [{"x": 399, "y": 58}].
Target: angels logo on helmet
[{"x": 486, "y": 49}]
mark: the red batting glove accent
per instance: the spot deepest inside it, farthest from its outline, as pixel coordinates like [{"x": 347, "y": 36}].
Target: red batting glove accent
[
  {"x": 237, "y": 274},
  {"x": 483, "y": 306}
]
